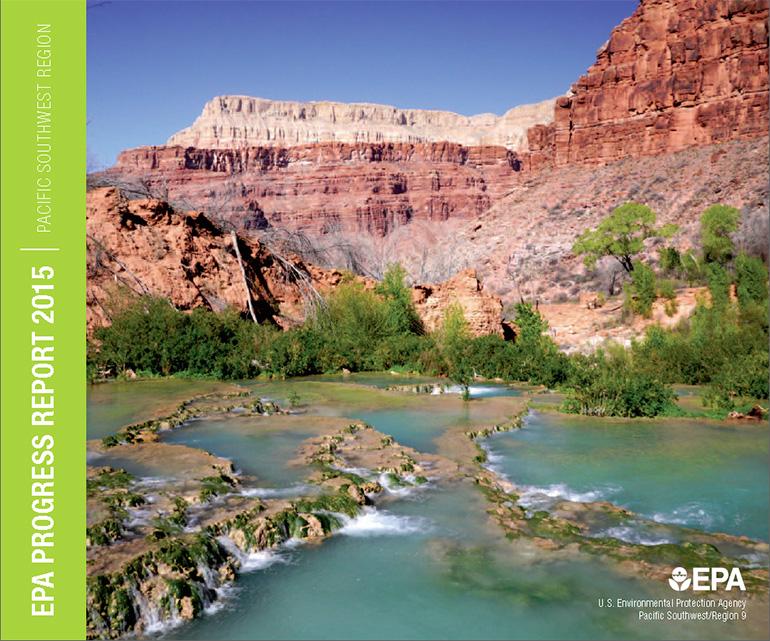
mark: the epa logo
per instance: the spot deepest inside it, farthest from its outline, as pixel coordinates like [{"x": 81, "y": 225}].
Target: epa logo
[
  {"x": 679, "y": 580},
  {"x": 706, "y": 579}
]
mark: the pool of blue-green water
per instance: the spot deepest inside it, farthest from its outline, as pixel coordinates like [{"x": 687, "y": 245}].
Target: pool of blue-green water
[
  {"x": 117, "y": 404},
  {"x": 702, "y": 474},
  {"x": 430, "y": 569},
  {"x": 433, "y": 565},
  {"x": 256, "y": 451}
]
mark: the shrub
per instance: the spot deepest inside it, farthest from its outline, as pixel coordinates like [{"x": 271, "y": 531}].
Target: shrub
[
  {"x": 666, "y": 289},
  {"x": 744, "y": 377},
  {"x": 607, "y": 385},
  {"x": 151, "y": 336},
  {"x": 751, "y": 280},
  {"x": 670, "y": 260},
  {"x": 455, "y": 342},
  {"x": 401, "y": 315}
]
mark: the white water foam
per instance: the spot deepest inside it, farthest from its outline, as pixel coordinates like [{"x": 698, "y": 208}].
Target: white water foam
[
  {"x": 151, "y": 481},
  {"x": 252, "y": 561},
  {"x": 535, "y": 497},
  {"x": 474, "y": 390},
  {"x": 358, "y": 471},
  {"x": 279, "y": 492},
  {"x": 692, "y": 514},
  {"x": 393, "y": 488},
  {"x": 630, "y": 534},
  {"x": 494, "y": 460},
  {"x": 372, "y": 522}
]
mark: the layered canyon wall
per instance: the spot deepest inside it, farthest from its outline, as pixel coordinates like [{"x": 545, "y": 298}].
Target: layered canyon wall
[
  {"x": 327, "y": 187},
  {"x": 676, "y": 74},
  {"x": 680, "y": 83},
  {"x": 234, "y": 122}
]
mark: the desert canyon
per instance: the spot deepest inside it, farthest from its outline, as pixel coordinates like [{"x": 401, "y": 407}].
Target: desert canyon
[{"x": 497, "y": 200}]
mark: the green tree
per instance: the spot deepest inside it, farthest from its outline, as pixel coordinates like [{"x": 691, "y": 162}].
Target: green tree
[
  {"x": 456, "y": 344},
  {"x": 401, "y": 315},
  {"x": 719, "y": 286},
  {"x": 532, "y": 326},
  {"x": 716, "y": 225},
  {"x": 621, "y": 235}
]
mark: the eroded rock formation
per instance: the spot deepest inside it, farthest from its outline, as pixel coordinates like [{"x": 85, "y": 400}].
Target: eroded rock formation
[
  {"x": 233, "y": 122},
  {"x": 145, "y": 247},
  {"x": 139, "y": 247},
  {"x": 483, "y": 311}
]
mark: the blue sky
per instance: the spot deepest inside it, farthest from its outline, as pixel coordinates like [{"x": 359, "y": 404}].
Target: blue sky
[{"x": 152, "y": 65}]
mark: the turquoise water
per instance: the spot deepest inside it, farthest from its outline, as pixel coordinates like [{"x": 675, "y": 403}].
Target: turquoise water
[
  {"x": 418, "y": 428},
  {"x": 413, "y": 428},
  {"x": 256, "y": 450},
  {"x": 433, "y": 565},
  {"x": 136, "y": 468},
  {"x": 707, "y": 475},
  {"x": 430, "y": 570},
  {"x": 113, "y": 405}
]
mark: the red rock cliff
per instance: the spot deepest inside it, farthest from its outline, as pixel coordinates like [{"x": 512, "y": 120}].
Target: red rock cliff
[
  {"x": 677, "y": 73},
  {"x": 357, "y": 187}
]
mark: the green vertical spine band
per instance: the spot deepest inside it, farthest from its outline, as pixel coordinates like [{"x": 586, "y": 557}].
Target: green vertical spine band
[{"x": 42, "y": 273}]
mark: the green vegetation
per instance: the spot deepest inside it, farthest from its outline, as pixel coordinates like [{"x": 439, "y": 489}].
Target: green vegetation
[
  {"x": 723, "y": 344},
  {"x": 455, "y": 343},
  {"x": 111, "y": 488},
  {"x": 341, "y": 503},
  {"x": 621, "y": 235},
  {"x": 608, "y": 384},
  {"x": 641, "y": 292},
  {"x": 717, "y": 223},
  {"x": 150, "y": 336},
  {"x": 212, "y": 486}
]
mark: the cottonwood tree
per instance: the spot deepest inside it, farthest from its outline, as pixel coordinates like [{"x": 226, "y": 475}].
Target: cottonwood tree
[
  {"x": 621, "y": 235},
  {"x": 716, "y": 224}
]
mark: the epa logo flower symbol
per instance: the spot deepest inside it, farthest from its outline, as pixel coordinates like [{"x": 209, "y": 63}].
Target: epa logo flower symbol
[{"x": 679, "y": 580}]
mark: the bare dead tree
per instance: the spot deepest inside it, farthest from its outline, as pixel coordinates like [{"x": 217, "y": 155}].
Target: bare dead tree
[{"x": 102, "y": 251}]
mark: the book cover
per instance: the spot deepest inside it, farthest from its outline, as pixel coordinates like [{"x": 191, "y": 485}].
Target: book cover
[{"x": 385, "y": 319}]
